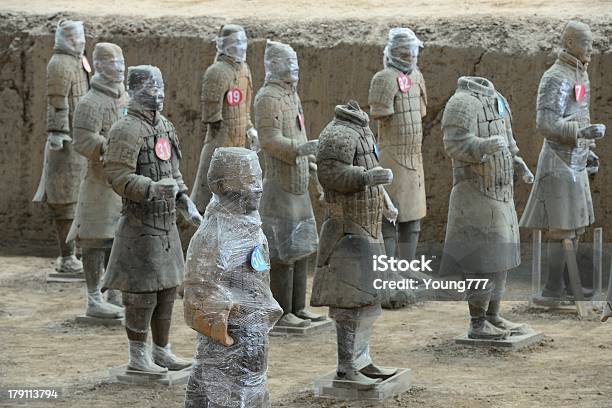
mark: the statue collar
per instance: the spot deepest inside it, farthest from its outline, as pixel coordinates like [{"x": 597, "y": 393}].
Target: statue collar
[
  {"x": 114, "y": 90},
  {"x": 477, "y": 85},
  {"x": 218, "y": 209},
  {"x": 568, "y": 59},
  {"x": 149, "y": 116},
  {"x": 352, "y": 113},
  {"x": 287, "y": 86},
  {"x": 66, "y": 51},
  {"x": 229, "y": 60}
]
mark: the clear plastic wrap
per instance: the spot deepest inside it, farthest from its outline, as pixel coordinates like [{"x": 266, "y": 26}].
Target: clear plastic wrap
[
  {"x": 232, "y": 41},
  {"x": 70, "y": 37},
  {"x": 281, "y": 62},
  {"x": 146, "y": 87},
  {"x": 227, "y": 293},
  {"x": 109, "y": 64},
  {"x": 402, "y": 49}
]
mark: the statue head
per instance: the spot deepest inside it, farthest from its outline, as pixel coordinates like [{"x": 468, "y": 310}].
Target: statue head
[
  {"x": 232, "y": 41},
  {"x": 235, "y": 177},
  {"x": 108, "y": 62},
  {"x": 70, "y": 37},
  {"x": 146, "y": 87},
  {"x": 402, "y": 49},
  {"x": 281, "y": 63},
  {"x": 577, "y": 39}
]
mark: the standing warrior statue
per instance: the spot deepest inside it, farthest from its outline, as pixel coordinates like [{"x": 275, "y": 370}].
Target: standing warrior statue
[
  {"x": 227, "y": 92},
  {"x": 560, "y": 201},
  {"x": 146, "y": 262},
  {"x": 99, "y": 206},
  {"x": 398, "y": 101},
  {"x": 227, "y": 289},
  {"x": 286, "y": 211},
  {"x": 351, "y": 236},
  {"x": 63, "y": 168},
  {"x": 482, "y": 234}
]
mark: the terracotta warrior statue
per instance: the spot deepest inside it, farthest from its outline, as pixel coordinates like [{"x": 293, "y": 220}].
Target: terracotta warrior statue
[
  {"x": 353, "y": 180},
  {"x": 286, "y": 211},
  {"x": 99, "y": 206},
  {"x": 146, "y": 262},
  {"x": 398, "y": 100},
  {"x": 227, "y": 92},
  {"x": 63, "y": 168},
  {"x": 482, "y": 234},
  {"x": 560, "y": 201},
  {"x": 227, "y": 289}
]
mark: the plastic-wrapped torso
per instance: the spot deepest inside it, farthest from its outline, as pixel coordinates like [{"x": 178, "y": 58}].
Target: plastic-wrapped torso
[
  {"x": 227, "y": 93},
  {"x": 67, "y": 82},
  {"x": 146, "y": 254},
  {"x": 99, "y": 206},
  {"x": 399, "y": 102},
  {"x": 286, "y": 210},
  {"x": 482, "y": 234},
  {"x": 561, "y": 195}
]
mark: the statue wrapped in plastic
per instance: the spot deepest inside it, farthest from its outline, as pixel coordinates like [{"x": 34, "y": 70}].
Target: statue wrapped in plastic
[
  {"x": 286, "y": 210},
  {"x": 560, "y": 202},
  {"x": 63, "y": 168},
  {"x": 482, "y": 235},
  {"x": 351, "y": 235},
  {"x": 99, "y": 207},
  {"x": 227, "y": 289},
  {"x": 398, "y": 101},
  {"x": 227, "y": 93},
  {"x": 146, "y": 262}
]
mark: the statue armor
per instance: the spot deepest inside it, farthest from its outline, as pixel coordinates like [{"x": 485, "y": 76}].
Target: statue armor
[
  {"x": 99, "y": 206},
  {"x": 227, "y": 124},
  {"x": 147, "y": 254},
  {"x": 400, "y": 134},
  {"x": 221, "y": 280},
  {"x": 561, "y": 195},
  {"x": 482, "y": 183},
  {"x": 351, "y": 232}
]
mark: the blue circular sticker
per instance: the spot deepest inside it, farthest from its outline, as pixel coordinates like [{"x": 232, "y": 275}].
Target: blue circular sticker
[
  {"x": 376, "y": 151},
  {"x": 501, "y": 107},
  {"x": 258, "y": 260}
]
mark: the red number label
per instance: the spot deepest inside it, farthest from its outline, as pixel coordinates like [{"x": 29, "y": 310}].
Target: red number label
[
  {"x": 404, "y": 82},
  {"x": 162, "y": 149},
  {"x": 234, "y": 97}
]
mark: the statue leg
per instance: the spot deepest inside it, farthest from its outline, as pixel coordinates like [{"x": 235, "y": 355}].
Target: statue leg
[
  {"x": 408, "y": 239},
  {"x": 282, "y": 286},
  {"x": 161, "y": 320},
  {"x": 93, "y": 264},
  {"x": 389, "y": 232},
  {"x": 478, "y": 302},
  {"x": 300, "y": 281},
  {"x": 113, "y": 296},
  {"x": 353, "y": 331},
  {"x": 62, "y": 215},
  {"x": 493, "y": 311},
  {"x": 138, "y": 312}
]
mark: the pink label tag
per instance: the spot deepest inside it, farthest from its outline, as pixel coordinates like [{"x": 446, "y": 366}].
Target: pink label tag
[
  {"x": 300, "y": 120},
  {"x": 162, "y": 149},
  {"x": 579, "y": 91},
  {"x": 234, "y": 96},
  {"x": 404, "y": 82},
  {"x": 86, "y": 65}
]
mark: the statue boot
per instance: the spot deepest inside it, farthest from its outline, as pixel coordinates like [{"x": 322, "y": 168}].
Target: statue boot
[
  {"x": 480, "y": 327},
  {"x": 493, "y": 317},
  {"x": 67, "y": 262},
  {"x": 140, "y": 359},
  {"x": 93, "y": 259},
  {"x": 164, "y": 357}
]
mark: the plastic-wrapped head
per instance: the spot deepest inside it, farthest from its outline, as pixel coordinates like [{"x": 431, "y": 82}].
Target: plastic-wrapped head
[
  {"x": 232, "y": 41},
  {"x": 146, "y": 87},
  {"x": 281, "y": 63},
  {"x": 402, "y": 49},
  {"x": 108, "y": 62},
  {"x": 235, "y": 178},
  {"x": 70, "y": 37},
  {"x": 577, "y": 39}
]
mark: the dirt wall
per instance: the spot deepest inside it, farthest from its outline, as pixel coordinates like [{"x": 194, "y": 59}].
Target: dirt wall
[{"x": 337, "y": 61}]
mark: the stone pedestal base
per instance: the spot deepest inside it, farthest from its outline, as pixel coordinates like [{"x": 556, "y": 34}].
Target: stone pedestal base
[
  {"x": 98, "y": 321},
  {"x": 123, "y": 375},
  {"x": 512, "y": 342},
  {"x": 326, "y": 387},
  {"x": 314, "y": 328},
  {"x": 56, "y": 277}
]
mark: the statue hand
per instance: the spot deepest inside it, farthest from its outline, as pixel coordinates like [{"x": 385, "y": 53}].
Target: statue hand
[
  {"x": 166, "y": 187},
  {"x": 592, "y": 132},
  {"x": 309, "y": 147},
  {"x": 253, "y": 140},
  {"x": 212, "y": 324},
  {"x": 377, "y": 176},
  {"x": 56, "y": 140},
  {"x": 527, "y": 175},
  {"x": 188, "y": 210},
  {"x": 494, "y": 144}
]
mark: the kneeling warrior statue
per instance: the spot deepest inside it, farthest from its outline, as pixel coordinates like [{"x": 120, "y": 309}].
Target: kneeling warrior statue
[
  {"x": 146, "y": 261},
  {"x": 482, "y": 234}
]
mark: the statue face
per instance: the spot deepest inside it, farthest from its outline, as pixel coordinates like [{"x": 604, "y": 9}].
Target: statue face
[
  {"x": 72, "y": 36},
  {"x": 286, "y": 69},
  {"x": 406, "y": 55},
  {"x": 151, "y": 93},
  {"x": 581, "y": 46},
  {"x": 111, "y": 67},
  {"x": 234, "y": 46}
]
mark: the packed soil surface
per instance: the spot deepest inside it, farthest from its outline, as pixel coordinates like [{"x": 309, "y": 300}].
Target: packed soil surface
[{"x": 42, "y": 345}]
